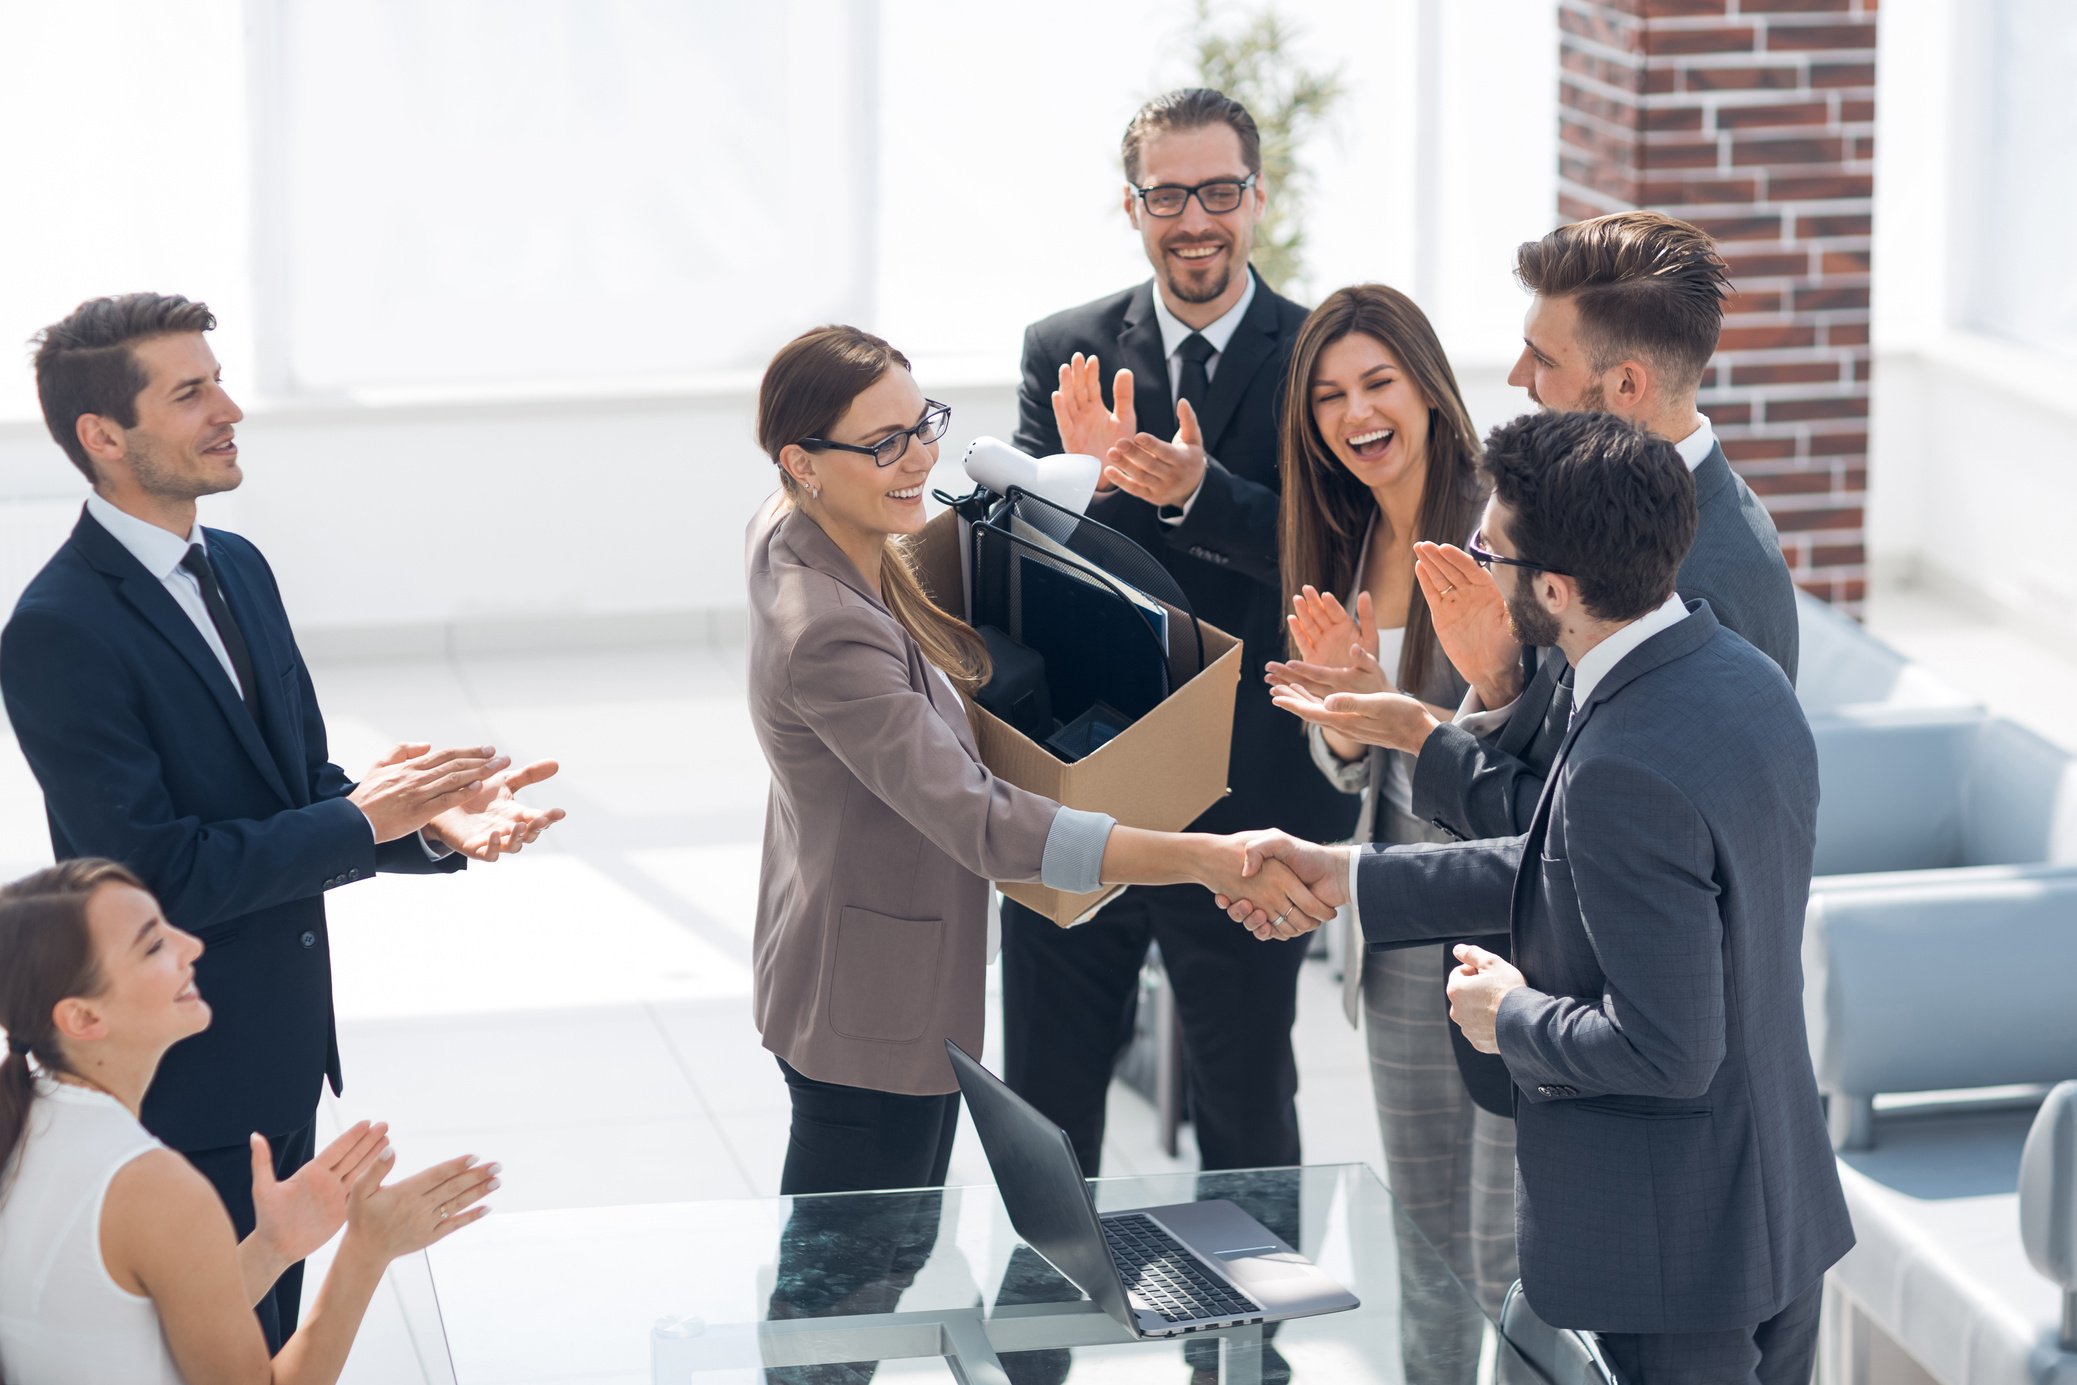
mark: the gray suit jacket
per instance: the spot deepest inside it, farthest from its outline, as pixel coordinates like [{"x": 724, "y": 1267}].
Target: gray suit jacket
[
  {"x": 1473, "y": 787},
  {"x": 1480, "y": 788},
  {"x": 1673, "y": 1170},
  {"x": 882, "y": 830}
]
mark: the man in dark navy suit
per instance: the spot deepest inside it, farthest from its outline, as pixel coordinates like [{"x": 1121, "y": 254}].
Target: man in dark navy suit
[
  {"x": 1177, "y": 385},
  {"x": 155, "y": 687}
]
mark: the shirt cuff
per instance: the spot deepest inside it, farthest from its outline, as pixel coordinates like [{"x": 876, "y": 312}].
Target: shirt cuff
[
  {"x": 1073, "y": 860},
  {"x": 1473, "y": 715},
  {"x": 1355, "y": 907},
  {"x": 1172, "y": 515},
  {"x": 434, "y": 850}
]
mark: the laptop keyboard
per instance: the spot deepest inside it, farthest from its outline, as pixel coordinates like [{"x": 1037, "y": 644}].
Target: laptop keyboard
[{"x": 1166, "y": 1277}]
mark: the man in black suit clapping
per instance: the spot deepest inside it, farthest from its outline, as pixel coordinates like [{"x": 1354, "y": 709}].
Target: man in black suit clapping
[
  {"x": 154, "y": 683},
  {"x": 1186, "y": 427}
]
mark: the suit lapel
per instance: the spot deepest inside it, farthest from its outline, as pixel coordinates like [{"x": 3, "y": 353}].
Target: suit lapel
[
  {"x": 1663, "y": 648},
  {"x": 150, "y": 599},
  {"x": 1251, "y": 345},
  {"x": 1139, "y": 346},
  {"x": 277, "y": 718}
]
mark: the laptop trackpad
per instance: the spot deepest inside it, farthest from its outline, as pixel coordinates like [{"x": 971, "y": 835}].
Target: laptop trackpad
[{"x": 1269, "y": 1271}]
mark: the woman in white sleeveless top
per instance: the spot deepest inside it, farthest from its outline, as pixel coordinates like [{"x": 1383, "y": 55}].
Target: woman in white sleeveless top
[{"x": 117, "y": 1261}]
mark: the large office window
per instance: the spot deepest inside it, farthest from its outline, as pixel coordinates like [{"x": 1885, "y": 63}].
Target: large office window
[
  {"x": 515, "y": 190},
  {"x": 2018, "y": 281}
]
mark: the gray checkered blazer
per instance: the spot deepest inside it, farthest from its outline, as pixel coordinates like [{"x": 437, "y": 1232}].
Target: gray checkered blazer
[{"x": 1673, "y": 1169}]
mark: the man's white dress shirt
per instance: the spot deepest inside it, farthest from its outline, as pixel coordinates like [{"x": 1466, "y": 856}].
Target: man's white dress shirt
[{"x": 1173, "y": 332}]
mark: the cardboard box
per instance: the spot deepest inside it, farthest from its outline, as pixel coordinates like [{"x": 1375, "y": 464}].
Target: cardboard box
[{"x": 1161, "y": 772}]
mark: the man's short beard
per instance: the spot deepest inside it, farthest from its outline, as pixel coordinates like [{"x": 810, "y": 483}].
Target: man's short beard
[
  {"x": 1592, "y": 400},
  {"x": 163, "y": 483},
  {"x": 1183, "y": 293},
  {"x": 1532, "y": 625}
]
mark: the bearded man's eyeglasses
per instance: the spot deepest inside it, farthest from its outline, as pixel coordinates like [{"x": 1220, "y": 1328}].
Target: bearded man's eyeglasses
[
  {"x": 1485, "y": 558},
  {"x": 1217, "y": 197},
  {"x": 889, "y": 450}
]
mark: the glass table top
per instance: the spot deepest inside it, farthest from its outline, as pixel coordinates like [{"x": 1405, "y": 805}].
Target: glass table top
[{"x": 816, "y": 1290}]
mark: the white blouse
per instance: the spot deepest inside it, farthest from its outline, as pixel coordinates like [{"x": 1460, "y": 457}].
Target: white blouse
[{"x": 63, "y": 1319}]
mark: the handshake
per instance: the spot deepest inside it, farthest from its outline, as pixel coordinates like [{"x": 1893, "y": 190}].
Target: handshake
[{"x": 1273, "y": 884}]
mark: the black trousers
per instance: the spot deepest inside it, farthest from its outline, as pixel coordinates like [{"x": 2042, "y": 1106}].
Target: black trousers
[
  {"x": 1068, "y": 997},
  {"x": 860, "y": 1255},
  {"x": 229, "y": 1171},
  {"x": 853, "y": 1139},
  {"x": 1779, "y": 1351}
]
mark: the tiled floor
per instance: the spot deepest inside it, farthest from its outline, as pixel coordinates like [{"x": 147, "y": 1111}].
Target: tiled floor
[{"x": 581, "y": 1013}]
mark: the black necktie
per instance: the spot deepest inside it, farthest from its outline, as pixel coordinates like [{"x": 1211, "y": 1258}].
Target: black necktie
[
  {"x": 1194, "y": 382},
  {"x": 197, "y": 563},
  {"x": 1559, "y": 718}
]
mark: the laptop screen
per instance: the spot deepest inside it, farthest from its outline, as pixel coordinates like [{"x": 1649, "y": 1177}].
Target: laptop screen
[{"x": 1041, "y": 1184}]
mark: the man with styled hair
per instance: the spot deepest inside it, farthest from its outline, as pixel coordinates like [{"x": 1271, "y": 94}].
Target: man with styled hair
[
  {"x": 1677, "y": 1192},
  {"x": 1176, "y": 385},
  {"x": 157, "y": 692}
]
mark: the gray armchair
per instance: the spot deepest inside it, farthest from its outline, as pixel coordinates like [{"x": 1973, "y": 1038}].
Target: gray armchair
[
  {"x": 1843, "y": 670},
  {"x": 1946, "y": 858}
]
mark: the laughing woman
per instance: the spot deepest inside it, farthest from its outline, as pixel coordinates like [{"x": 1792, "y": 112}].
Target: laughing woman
[
  {"x": 883, "y": 827},
  {"x": 117, "y": 1260},
  {"x": 1378, "y": 455}
]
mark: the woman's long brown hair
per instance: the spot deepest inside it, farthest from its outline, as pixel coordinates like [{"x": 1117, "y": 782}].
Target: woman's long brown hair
[
  {"x": 46, "y": 954},
  {"x": 806, "y": 389},
  {"x": 1326, "y": 510}
]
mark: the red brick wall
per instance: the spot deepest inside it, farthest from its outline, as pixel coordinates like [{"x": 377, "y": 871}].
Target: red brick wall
[{"x": 1754, "y": 119}]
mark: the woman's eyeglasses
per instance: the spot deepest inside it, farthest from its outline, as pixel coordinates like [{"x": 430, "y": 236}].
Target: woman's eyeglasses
[
  {"x": 1485, "y": 558},
  {"x": 1217, "y": 197},
  {"x": 890, "y": 449}
]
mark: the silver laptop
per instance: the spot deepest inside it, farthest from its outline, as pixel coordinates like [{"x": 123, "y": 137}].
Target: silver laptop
[{"x": 1160, "y": 1271}]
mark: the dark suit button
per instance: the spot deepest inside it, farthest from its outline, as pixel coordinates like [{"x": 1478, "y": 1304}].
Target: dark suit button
[
  {"x": 1568, "y": 1091},
  {"x": 1545, "y": 1090},
  {"x": 354, "y": 874},
  {"x": 310, "y": 940}
]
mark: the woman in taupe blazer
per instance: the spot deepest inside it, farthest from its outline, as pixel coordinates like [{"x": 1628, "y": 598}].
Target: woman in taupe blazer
[{"x": 884, "y": 828}]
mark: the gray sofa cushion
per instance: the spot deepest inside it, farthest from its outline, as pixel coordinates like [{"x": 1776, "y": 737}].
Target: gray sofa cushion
[
  {"x": 1842, "y": 670},
  {"x": 1938, "y": 1263}
]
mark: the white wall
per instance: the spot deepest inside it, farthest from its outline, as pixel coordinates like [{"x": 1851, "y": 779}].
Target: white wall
[{"x": 614, "y": 508}]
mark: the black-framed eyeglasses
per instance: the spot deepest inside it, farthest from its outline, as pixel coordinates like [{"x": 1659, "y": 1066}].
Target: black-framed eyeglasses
[
  {"x": 1486, "y": 557},
  {"x": 1218, "y": 197},
  {"x": 889, "y": 450}
]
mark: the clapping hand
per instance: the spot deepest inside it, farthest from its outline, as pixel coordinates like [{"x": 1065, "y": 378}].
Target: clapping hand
[
  {"x": 412, "y": 784},
  {"x": 1337, "y": 650},
  {"x": 1160, "y": 473},
  {"x": 1086, "y": 426},
  {"x": 293, "y": 1217},
  {"x": 1471, "y": 623},
  {"x": 1322, "y": 870},
  {"x": 492, "y": 821},
  {"x": 396, "y": 1219}
]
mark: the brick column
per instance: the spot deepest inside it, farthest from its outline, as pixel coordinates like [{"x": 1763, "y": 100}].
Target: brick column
[{"x": 1754, "y": 119}]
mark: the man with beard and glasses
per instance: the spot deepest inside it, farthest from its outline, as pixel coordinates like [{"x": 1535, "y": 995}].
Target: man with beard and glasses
[
  {"x": 1677, "y": 1192},
  {"x": 1177, "y": 385},
  {"x": 158, "y": 695}
]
